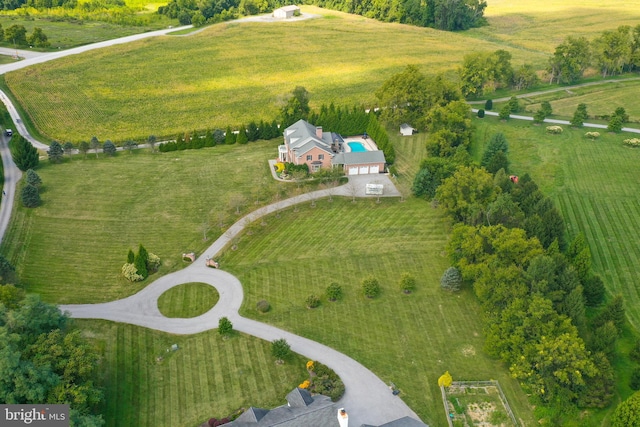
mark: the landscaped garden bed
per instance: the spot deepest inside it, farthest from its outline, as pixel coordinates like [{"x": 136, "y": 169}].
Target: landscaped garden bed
[{"x": 477, "y": 404}]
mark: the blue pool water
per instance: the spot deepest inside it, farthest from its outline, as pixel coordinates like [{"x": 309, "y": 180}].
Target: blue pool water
[{"x": 356, "y": 147}]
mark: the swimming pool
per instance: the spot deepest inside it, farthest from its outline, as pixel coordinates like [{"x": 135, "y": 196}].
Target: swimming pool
[{"x": 356, "y": 147}]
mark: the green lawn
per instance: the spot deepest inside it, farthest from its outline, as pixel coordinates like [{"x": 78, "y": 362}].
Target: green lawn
[
  {"x": 95, "y": 210},
  {"x": 231, "y": 73},
  {"x": 188, "y": 300},
  {"x": 207, "y": 377}
]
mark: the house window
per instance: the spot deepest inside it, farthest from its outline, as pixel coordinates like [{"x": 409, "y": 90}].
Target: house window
[
  {"x": 320, "y": 156},
  {"x": 309, "y": 157},
  {"x": 315, "y": 168}
]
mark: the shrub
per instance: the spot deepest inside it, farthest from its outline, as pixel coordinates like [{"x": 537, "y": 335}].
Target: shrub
[
  {"x": 615, "y": 124},
  {"x": 407, "y": 283},
  {"x": 212, "y": 421},
  {"x": 505, "y": 113},
  {"x": 312, "y": 301},
  {"x": 305, "y": 384},
  {"x": 30, "y": 196},
  {"x": 370, "y": 287},
  {"x": 310, "y": 365},
  {"x": 109, "y": 148},
  {"x": 480, "y": 113},
  {"x": 488, "y": 104},
  {"x": 130, "y": 272},
  {"x": 632, "y": 142},
  {"x": 327, "y": 382},
  {"x": 451, "y": 280},
  {"x": 514, "y": 104},
  {"x": 263, "y": 306},
  {"x": 141, "y": 266},
  {"x": 634, "y": 354},
  {"x": 281, "y": 350},
  {"x": 554, "y": 130},
  {"x": 592, "y": 135},
  {"x": 225, "y": 327},
  {"x": 131, "y": 257},
  {"x": 153, "y": 263},
  {"x": 334, "y": 292}
]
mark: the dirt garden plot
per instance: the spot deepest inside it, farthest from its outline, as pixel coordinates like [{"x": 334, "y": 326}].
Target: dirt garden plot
[{"x": 477, "y": 404}]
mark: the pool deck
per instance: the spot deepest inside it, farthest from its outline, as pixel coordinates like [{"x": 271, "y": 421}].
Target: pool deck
[{"x": 368, "y": 143}]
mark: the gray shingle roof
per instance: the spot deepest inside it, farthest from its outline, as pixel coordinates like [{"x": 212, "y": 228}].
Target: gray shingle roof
[
  {"x": 299, "y": 397},
  {"x": 301, "y": 137},
  {"x": 352, "y": 158},
  {"x": 400, "y": 422}
]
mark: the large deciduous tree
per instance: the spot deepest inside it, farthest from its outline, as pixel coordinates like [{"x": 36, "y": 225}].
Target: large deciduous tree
[
  {"x": 296, "y": 106},
  {"x": 628, "y": 412},
  {"x": 569, "y": 60},
  {"x": 612, "y": 50},
  {"x": 403, "y": 97},
  {"x": 466, "y": 194}
]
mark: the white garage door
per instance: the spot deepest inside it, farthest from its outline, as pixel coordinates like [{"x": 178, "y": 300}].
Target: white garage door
[
  {"x": 353, "y": 171},
  {"x": 364, "y": 170},
  {"x": 374, "y": 169}
]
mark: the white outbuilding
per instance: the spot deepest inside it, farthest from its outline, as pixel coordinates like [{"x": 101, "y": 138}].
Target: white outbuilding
[
  {"x": 286, "y": 12},
  {"x": 406, "y": 129}
]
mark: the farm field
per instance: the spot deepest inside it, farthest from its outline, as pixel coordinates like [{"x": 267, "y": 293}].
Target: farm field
[
  {"x": 595, "y": 186},
  {"x": 206, "y": 377},
  {"x": 95, "y": 210},
  {"x": 242, "y": 73}
]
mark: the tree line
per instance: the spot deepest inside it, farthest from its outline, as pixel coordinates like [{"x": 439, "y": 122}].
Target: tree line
[
  {"x": 450, "y": 15},
  {"x": 612, "y": 52},
  {"x": 509, "y": 246}
]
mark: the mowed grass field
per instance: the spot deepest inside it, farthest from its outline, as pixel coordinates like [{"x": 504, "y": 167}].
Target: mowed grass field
[
  {"x": 232, "y": 73},
  {"x": 595, "y": 185},
  {"x": 207, "y": 377},
  {"x": 72, "y": 248},
  {"x": 188, "y": 300},
  {"x": 409, "y": 340}
]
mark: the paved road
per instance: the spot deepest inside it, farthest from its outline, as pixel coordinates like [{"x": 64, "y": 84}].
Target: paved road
[
  {"x": 367, "y": 399},
  {"x": 11, "y": 177}
]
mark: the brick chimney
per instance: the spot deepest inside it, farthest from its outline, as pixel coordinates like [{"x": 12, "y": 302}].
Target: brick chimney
[{"x": 319, "y": 132}]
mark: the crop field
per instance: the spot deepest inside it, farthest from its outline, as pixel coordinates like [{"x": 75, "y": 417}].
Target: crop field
[
  {"x": 600, "y": 100},
  {"x": 232, "y": 73},
  {"x": 148, "y": 386},
  {"x": 594, "y": 183},
  {"x": 95, "y": 210}
]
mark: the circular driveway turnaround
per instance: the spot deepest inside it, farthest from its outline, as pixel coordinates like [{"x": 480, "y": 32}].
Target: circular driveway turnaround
[{"x": 367, "y": 399}]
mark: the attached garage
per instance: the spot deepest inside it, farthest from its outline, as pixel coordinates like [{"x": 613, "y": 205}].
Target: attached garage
[
  {"x": 374, "y": 169},
  {"x": 360, "y": 163},
  {"x": 353, "y": 171},
  {"x": 364, "y": 170}
]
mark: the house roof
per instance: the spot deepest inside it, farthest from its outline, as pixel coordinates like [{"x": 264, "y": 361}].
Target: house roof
[
  {"x": 401, "y": 422},
  {"x": 302, "y": 409},
  {"x": 406, "y": 126},
  {"x": 291, "y": 7},
  {"x": 352, "y": 158},
  {"x": 301, "y": 137}
]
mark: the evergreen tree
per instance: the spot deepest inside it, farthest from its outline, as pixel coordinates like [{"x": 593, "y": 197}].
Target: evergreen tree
[
  {"x": 451, "y": 280},
  {"x": 242, "y": 138},
  {"x": 594, "y": 291},
  {"x": 539, "y": 116},
  {"x": 68, "y": 148},
  {"x": 131, "y": 257},
  {"x": 30, "y": 196},
  {"x": 32, "y": 178},
  {"x": 579, "y": 116},
  {"x": 55, "y": 152},
  {"x": 488, "y": 104},
  {"x": 545, "y": 106},
  {"x": 141, "y": 266},
  {"x": 514, "y": 104},
  {"x": 615, "y": 124},
  {"x": 229, "y": 136},
  {"x": 498, "y": 142},
  {"x": 109, "y": 148},
  {"x": 505, "y": 112},
  {"x": 253, "y": 133},
  {"x": 219, "y": 136},
  {"x": 25, "y": 155}
]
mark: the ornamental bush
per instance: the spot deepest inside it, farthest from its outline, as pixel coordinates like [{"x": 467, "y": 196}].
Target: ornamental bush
[
  {"x": 334, "y": 292},
  {"x": 130, "y": 272},
  {"x": 488, "y": 104},
  {"x": 312, "y": 301},
  {"x": 632, "y": 142},
  {"x": 407, "y": 283},
  {"x": 592, "y": 135},
  {"x": 554, "y": 130},
  {"x": 480, "y": 113},
  {"x": 225, "y": 327},
  {"x": 371, "y": 287},
  {"x": 263, "y": 306},
  {"x": 451, "y": 280},
  {"x": 33, "y": 178},
  {"x": 153, "y": 263}
]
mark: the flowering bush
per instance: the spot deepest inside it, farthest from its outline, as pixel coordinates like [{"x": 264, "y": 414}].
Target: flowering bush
[
  {"x": 305, "y": 384},
  {"x": 632, "y": 142},
  {"x": 310, "y": 365},
  {"x": 592, "y": 135},
  {"x": 554, "y": 129},
  {"x": 279, "y": 167},
  {"x": 130, "y": 272},
  {"x": 153, "y": 262}
]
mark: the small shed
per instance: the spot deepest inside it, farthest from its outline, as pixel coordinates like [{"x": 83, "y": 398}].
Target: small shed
[
  {"x": 406, "y": 129},
  {"x": 286, "y": 12}
]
